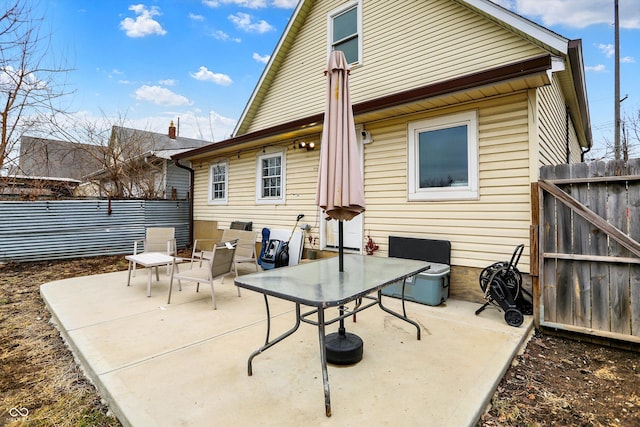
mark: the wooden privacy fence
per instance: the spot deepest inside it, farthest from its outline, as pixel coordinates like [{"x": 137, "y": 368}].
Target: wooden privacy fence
[{"x": 588, "y": 250}]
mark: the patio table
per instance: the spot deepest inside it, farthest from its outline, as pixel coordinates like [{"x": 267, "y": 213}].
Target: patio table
[
  {"x": 150, "y": 260},
  {"x": 320, "y": 285}
]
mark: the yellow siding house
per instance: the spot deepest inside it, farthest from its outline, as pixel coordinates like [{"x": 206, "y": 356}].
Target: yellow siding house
[{"x": 510, "y": 93}]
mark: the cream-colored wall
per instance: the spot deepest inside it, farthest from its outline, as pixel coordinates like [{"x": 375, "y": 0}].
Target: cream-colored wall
[
  {"x": 481, "y": 232},
  {"x": 301, "y": 177},
  {"x": 424, "y": 42},
  {"x": 552, "y": 130}
]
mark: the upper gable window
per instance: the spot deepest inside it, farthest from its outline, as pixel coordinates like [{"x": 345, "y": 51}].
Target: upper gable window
[
  {"x": 443, "y": 158},
  {"x": 345, "y": 32}
]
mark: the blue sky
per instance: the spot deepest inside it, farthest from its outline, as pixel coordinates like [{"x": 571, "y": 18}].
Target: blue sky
[{"x": 199, "y": 60}]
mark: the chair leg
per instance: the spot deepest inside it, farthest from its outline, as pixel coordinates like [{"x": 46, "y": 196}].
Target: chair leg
[{"x": 213, "y": 297}]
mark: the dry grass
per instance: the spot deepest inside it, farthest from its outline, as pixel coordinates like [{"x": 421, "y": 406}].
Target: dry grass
[{"x": 39, "y": 377}]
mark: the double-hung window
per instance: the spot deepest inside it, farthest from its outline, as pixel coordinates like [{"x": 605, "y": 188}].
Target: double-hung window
[
  {"x": 443, "y": 158},
  {"x": 271, "y": 178},
  {"x": 218, "y": 182},
  {"x": 345, "y": 32}
]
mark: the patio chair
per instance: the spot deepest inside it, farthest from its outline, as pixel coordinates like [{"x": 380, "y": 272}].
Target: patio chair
[
  {"x": 207, "y": 270},
  {"x": 245, "y": 251},
  {"x": 157, "y": 239}
]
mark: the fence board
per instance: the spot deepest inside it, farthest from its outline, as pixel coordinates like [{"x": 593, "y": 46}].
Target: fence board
[
  {"x": 634, "y": 232},
  {"x": 619, "y": 274},
  {"x": 580, "y": 230},
  {"x": 564, "y": 292},
  {"x": 599, "y": 271},
  {"x": 548, "y": 236}
]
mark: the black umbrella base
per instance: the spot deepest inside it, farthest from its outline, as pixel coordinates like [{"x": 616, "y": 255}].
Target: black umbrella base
[{"x": 343, "y": 349}]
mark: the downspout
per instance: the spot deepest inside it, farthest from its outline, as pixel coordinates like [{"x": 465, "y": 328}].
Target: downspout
[
  {"x": 191, "y": 185},
  {"x": 566, "y": 134}
]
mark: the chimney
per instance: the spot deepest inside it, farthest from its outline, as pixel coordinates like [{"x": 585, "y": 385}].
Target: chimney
[{"x": 172, "y": 131}]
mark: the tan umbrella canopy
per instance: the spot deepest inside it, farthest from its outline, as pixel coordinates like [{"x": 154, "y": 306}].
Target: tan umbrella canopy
[{"x": 340, "y": 190}]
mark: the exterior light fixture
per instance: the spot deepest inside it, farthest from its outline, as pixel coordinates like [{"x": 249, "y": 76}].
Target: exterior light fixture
[{"x": 309, "y": 146}]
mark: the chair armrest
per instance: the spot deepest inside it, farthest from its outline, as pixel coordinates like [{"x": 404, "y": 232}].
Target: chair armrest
[
  {"x": 171, "y": 247},
  {"x": 135, "y": 245}
]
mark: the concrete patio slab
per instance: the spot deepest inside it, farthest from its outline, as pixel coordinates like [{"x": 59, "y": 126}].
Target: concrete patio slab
[{"x": 185, "y": 364}]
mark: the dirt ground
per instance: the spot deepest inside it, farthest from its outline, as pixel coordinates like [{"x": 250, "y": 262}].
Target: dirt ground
[{"x": 553, "y": 382}]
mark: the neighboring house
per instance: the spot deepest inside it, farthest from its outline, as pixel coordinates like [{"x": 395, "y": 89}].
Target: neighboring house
[
  {"x": 48, "y": 167},
  {"x": 41, "y": 157},
  {"x": 138, "y": 164},
  {"x": 507, "y": 95}
]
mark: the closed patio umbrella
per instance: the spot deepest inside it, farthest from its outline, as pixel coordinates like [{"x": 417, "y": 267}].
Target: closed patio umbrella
[{"x": 340, "y": 192}]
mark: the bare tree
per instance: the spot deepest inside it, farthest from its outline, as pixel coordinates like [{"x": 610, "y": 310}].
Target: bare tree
[
  {"x": 629, "y": 141},
  {"x": 31, "y": 82},
  {"x": 126, "y": 164}
]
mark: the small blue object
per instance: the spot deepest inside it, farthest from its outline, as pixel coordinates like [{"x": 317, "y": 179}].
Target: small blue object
[{"x": 265, "y": 240}]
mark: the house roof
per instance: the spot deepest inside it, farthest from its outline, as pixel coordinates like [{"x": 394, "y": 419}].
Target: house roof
[
  {"x": 560, "y": 50},
  {"x": 144, "y": 144},
  {"x": 42, "y": 157},
  {"x": 154, "y": 141}
]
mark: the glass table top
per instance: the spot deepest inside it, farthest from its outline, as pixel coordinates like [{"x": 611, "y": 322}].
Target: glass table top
[{"x": 321, "y": 284}]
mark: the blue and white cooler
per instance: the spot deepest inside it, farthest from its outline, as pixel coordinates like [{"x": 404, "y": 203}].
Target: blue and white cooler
[{"x": 430, "y": 287}]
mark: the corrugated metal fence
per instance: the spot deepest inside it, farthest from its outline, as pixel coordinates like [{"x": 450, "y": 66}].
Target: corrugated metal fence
[{"x": 59, "y": 229}]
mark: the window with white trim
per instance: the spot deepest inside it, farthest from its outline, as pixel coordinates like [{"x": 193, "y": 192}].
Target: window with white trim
[
  {"x": 345, "y": 31},
  {"x": 218, "y": 182},
  {"x": 270, "y": 178},
  {"x": 443, "y": 158}
]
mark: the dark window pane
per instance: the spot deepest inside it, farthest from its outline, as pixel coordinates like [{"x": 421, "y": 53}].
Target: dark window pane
[
  {"x": 345, "y": 25},
  {"x": 350, "y": 49},
  {"x": 443, "y": 158}
]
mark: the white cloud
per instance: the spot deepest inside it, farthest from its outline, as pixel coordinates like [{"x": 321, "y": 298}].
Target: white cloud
[
  {"x": 195, "y": 17},
  {"x": 209, "y": 127},
  {"x": 628, "y": 60},
  {"x": 260, "y": 58},
  {"x": 253, "y": 4},
  {"x": 576, "y": 13},
  {"x": 596, "y": 68},
  {"x": 607, "y": 49},
  {"x": 245, "y": 22},
  {"x": 221, "y": 35},
  {"x": 28, "y": 79},
  {"x": 250, "y": 4},
  {"x": 160, "y": 96},
  {"x": 144, "y": 24},
  {"x": 167, "y": 82},
  {"x": 285, "y": 4},
  {"x": 203, "y": 74}
]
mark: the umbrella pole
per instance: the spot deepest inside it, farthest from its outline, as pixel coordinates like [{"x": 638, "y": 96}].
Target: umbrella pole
[
  {"x": 343, "y": 348},
  {"x": 341, "y": 329},
  {"x": 340, "y": 246}
]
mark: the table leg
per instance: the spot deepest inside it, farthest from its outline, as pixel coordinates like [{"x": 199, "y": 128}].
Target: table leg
[
  {"x": 398, "y": 315},
  {"x": 276, "y": 340},
  {"x": 129, "y": 278},
  {"x": 149, "y": 274},
  {"x": 323, "y": 362}
]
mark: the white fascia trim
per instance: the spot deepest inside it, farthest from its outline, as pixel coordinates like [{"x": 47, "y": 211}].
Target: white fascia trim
[
  {"x": 521, "y": 23},
  {"x": 557, "y": 64}
]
